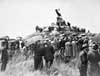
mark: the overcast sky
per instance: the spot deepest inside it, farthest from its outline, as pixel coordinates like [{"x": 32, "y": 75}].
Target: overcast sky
[{"x": 19, "y": 17}]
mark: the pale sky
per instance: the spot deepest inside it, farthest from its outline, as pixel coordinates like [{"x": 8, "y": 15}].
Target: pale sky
[{"x": 19, "y": 17}]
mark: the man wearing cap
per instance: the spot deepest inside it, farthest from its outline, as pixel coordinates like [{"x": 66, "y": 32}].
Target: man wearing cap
[
  {"x": 83, "y": 60},
  {"x": 4, "y": 57}
]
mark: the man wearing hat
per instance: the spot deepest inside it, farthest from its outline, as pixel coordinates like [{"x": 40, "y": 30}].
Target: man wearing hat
[{"x": 83, "y": 60}]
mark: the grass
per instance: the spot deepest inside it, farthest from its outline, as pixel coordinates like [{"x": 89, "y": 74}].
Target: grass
[{"x": 20, "y": 67}]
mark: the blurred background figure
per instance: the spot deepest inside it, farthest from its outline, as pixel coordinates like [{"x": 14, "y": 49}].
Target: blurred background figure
[
  {"x": 83, "y": 60},
  {"x": 94, "y": 59},
  {"x": 4, "y": 56}
]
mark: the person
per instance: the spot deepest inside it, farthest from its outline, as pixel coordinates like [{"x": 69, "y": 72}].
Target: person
[
  {"x": 58, "y": 14},
  {"x": 83, "y": 60},
  {"x": 80, "y": 43},
  {"x": 74, "y": 48},
  {"x": 93, "y": 60},
  {"x": 4, "y": 56},
  {"x": 62, "y": 45},
  {"x": 60, "y": 22},
  {"x": 71, "y": 48},
  {"x": 38, "y": 54},
  {"x": 49, "y": 55},
  {"x": 67, "y": 53}
]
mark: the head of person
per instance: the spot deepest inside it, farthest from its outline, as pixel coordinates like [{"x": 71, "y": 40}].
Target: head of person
[
  {"x": 84, "y": 46},
  {"x": 95, "y": 46},
  {"x": 5, "y": 44}
]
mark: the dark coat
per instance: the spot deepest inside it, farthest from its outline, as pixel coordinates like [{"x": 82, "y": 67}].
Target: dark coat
[
  {"x": 62, "y": 43},
  {"x": 4, "y": 57},
  {"x": 47, "y": 52}
]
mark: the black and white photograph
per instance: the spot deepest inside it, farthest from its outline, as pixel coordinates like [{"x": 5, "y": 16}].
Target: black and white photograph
[{"x": 49, "y": 38}]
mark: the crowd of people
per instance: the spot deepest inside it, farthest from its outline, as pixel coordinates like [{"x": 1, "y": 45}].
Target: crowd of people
[{"x": 69, "y": 43}]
